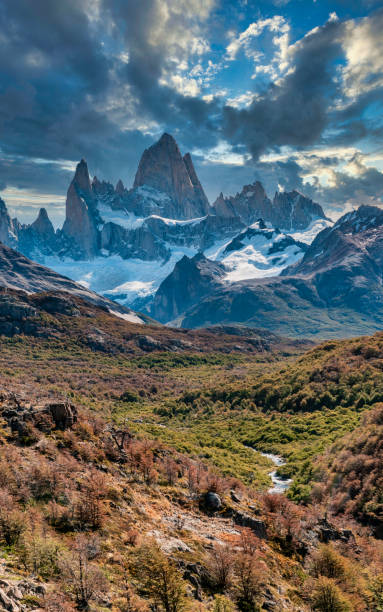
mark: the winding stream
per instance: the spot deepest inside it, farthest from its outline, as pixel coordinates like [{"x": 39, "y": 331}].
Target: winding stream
[{"x": 280, "y": 485}]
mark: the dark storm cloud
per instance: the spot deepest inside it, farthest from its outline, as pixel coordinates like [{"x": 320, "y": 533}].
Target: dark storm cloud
[
  {"x": 65, "y": 93},
  {"x": 51, "y": 64},
  {"x": 154, "y": 50},
  {"x": 22, "y": 173},
  {"x": 295, "y": 112},
  {"x": 363, "y": 188},
  {"x": 57, "y": 84}
]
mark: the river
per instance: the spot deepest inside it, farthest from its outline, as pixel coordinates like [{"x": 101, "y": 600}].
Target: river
[{"x": 280, "y": 485}]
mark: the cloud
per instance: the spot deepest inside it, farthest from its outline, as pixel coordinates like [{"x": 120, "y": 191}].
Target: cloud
[
  {"x": 363, "y": 48},
  {"x": 295, "y": 111},
  {"x": 91, "y": 79},
  {"x": 101, "y": 79},
  {"x": 278, "y": 31}
]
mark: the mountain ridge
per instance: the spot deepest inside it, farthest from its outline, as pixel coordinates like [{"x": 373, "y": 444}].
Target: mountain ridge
[{"x": 335, "y": 290}]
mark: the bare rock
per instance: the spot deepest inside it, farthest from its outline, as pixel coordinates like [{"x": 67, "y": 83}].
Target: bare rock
[
  {"x": 163, "y": 168},
  {"x": 212, "y": 501},
  {"x": 6, "y": 603},
  {"x": 64, "y": 414},
  {"x": 147, "y": 343}
]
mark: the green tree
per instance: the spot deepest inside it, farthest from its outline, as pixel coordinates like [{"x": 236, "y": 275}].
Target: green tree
[
  {"x": 160, "y": 579},
  {"x": 375, "y": 598},
  {"x": 327, "y": 597},
  {"x": 223, "y": 604}
]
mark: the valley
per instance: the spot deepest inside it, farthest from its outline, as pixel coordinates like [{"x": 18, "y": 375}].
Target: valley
[{"x": 199, "y": 417}]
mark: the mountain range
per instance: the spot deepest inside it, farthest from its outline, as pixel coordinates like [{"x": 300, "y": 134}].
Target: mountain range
[
  {"x": 124, "y": 242},
  {"x": 161, "y": 248}
]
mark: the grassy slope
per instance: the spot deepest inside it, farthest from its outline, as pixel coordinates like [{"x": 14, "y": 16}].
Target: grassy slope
[
  {"x": 212, "y": 403},
  {"x": 207, "y": 404}
]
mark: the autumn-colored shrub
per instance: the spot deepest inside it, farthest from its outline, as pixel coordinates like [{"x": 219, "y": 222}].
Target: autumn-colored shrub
[
  {"x": 327, "y": 597},
  {"x": 159, "y": 579}
]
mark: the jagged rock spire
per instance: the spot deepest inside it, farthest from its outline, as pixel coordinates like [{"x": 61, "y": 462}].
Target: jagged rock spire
[
  {"x": 120, "y": 187},
  {"x": 80, "y": 223},
  {"x": 43, "y": 224},
  {"x": 81, "y": 177},
  {"x": 163, "y": 168}
]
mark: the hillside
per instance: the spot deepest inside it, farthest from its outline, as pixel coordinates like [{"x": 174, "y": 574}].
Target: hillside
[
  {"x": 19, "y": 272},
  {"x": 133, "y": 463},
  {"x": 333, "y": 291}
]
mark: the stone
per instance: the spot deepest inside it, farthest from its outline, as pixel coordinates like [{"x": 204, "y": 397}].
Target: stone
[
  {"x": 147, "y": 343},
  {"x": 245, "y": 520},
  {"x": 213, "y": 501},
  {"x": 14, "y": 592},
  {"x": 235, "y": 496},
  {"x": 64, "y": 414},
  {"x": 6, "y": 603}
]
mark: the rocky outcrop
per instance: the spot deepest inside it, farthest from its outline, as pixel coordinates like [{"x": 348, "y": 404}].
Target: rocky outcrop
[
  {"x": 190, "y": 280},
  {"x": 81, "y": 217},
  {"x": 20, "y": 416},
  {"x": 19, "y": 272},
  {"x": 288, "y": 210},
  {"x": 7, "y": 229},
  {"x": 17, "y": 315},
  {"x": 64, "y": 414},
  {"x": 335, "y": 290},
  {"x": 163, "y": 168}
]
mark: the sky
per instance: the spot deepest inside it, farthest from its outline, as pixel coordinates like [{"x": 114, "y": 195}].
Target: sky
[{"x": 289, "y": 92}]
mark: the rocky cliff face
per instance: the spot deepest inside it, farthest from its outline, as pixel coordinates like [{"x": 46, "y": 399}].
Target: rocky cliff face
[
  {"x": 190, "y": 281},
  {"x": 163, "y": 168},
  {"x": 7, "y": 229},
  {"x": 335, "y": 290},
  {"x": 290, "y": 210},
  {"x": 81, "y": 222}
]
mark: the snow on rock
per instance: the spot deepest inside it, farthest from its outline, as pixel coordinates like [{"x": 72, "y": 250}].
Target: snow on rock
[
  {"x": 308, "y": 235},
  {"x": 259, "y": 252},
  {"x": 131, "y": 317},
  {"x": 254, "y": 253}
]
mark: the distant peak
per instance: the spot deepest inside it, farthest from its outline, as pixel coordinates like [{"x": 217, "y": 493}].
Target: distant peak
[
  {"x": 43, "y": 213},
  {"x": 120, "y": 187},
  {"x": 81, "y": 177},
  {"x": 43, "y": 223},
  {"x": 166, "y": 138}
]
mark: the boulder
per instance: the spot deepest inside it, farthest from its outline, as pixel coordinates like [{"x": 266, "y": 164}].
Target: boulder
[
  {"x": 213, "y": 501},
  {"x": 6, "y": 603},
  {"x": 64, "y": 414},
  {"x": 147, "y": 343}
]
